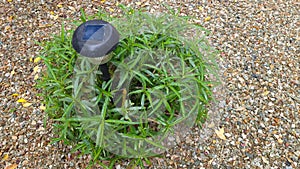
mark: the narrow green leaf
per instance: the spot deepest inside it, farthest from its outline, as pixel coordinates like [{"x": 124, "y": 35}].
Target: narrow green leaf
[{"x": 83, "y": 16}]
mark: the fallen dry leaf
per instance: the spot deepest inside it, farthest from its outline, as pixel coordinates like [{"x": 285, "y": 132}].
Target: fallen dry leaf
[
  {"x": 36, "y": 60},
  {"x": 27, "y": 104},
  {"x": 55, "y": 17},
  {"x": 15, "y": 94},
  {"x": 207, "y": 19},
  {"x": 10, "y": 18},
  {"x": 7, "y": 28},
  {"x": 280, "y": 141},
  {"x": 36, "y": 69},
  {"x": 36, "y": 77},
  {"x": 5, "y": 157},
  {"x": 220, "y": 133},
  {"x": 42, "y": 107},
  {"x": 111, "y": 9},
  {"x": 266, "y": 93},
  {"x": 200, "y": 8},
  {"x": 21, "y": 101}
]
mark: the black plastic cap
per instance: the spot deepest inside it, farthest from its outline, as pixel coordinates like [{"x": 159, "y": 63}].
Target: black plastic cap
[{"x": 95, "y": 38}]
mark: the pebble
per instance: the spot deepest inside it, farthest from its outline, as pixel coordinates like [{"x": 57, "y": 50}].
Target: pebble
[
  {"x": 251, "y": 35},
  {"x": 33, "y": 123}
]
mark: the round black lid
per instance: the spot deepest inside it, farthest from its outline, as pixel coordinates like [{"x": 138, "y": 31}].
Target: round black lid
[{"x": 95, "y": 38}]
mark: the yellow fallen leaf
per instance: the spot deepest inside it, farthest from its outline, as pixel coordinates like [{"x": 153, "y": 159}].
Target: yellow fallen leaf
[
  {"x": 7, "y": 27},
  {"x": 55, "y": 17},
  {"x": 36, "y": 69},
  {"x": 280, "y": 141},
  {"x": 36, "y": 77},
  {"x": 51, "y": 12},
  {"x": 22, "y": 101},
  {"x": 12, "y": 166},
  {"x": 10, "y": 18},
  {"x": 220, "y": 133},
  {"x": 27, "y": 104},
  {"x": 200, "y": 8},
  {"x": 30, "y": 59},
  {"x": 266, "y": 93},
  {"x": 15, "y": 94},
  {"x": 9, "y": 0},
  {"x": 36, "y": 60},
  {"x": 5, "y": 157},
  {"x": 207, "y": 19},
  {"x": 42, "y": 107},
  {"x": 102, "y": 1},
  {"x": 111, "y": 10},
  {"x": 59, "y": 5}
]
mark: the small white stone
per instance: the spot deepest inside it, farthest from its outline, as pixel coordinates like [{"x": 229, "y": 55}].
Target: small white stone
[
  {"x": 244, "y": 136},
  {"x": 33, "y": 123},
  {"x": 227, "y": 135},
  {"x": 40, "y": 129},
  {"x": 269, "y": 72},
  {"x": 293, "y": 126}
]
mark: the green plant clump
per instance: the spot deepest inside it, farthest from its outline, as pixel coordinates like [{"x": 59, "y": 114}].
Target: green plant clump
[{"x": 159, "y": 81}]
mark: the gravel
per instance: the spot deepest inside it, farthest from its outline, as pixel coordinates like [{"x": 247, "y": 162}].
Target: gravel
[{"x": 260, "y": 48}]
